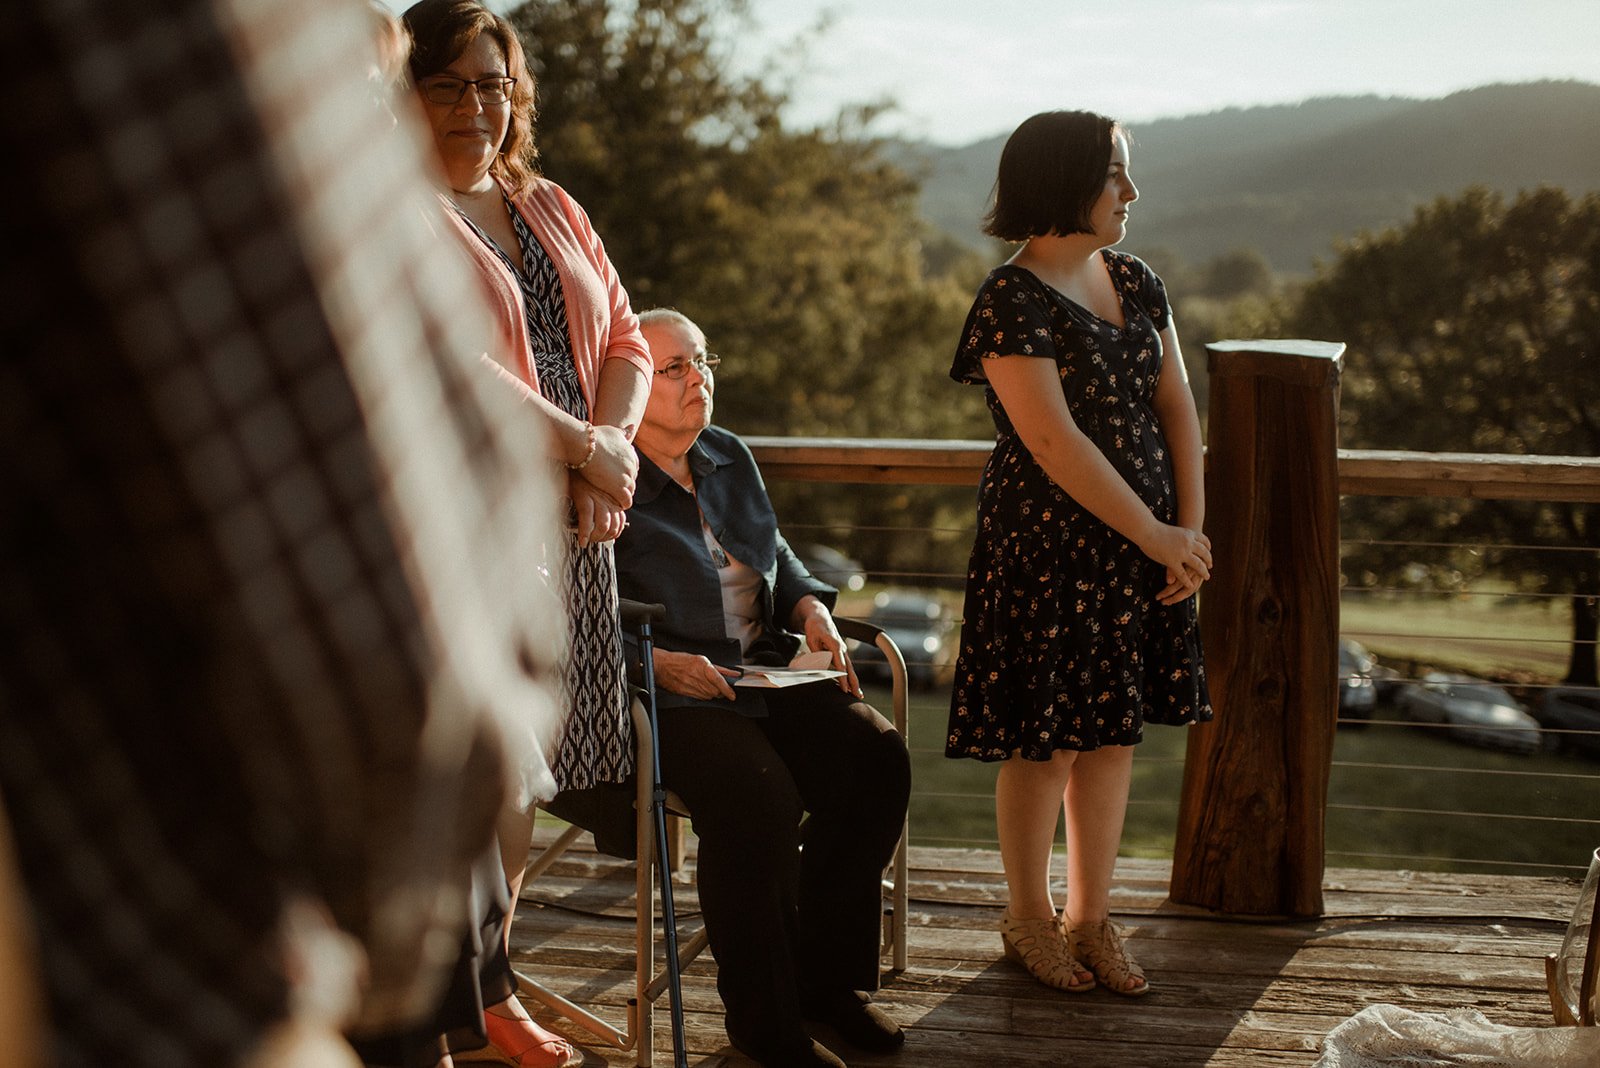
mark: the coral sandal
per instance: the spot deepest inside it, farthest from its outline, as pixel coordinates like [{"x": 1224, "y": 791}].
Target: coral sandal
[
  {"x": 518, "y": 1041},
  {"x": 1099, "y": 945},
  {"x": 1040, "y": 947}
]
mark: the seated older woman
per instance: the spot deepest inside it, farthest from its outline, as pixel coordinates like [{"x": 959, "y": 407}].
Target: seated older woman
[{"x": 794, "y": 932}]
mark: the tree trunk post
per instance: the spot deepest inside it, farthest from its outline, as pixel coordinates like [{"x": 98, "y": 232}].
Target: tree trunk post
[{"x": 1255, "y": 781}]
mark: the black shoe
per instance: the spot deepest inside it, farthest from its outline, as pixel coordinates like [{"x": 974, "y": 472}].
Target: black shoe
[
  {"x": 802, "y": 1053},
  {"x": 858, "y": 1021}
]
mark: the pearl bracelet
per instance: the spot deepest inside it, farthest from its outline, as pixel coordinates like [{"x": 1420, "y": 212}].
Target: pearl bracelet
[{"x": 589, "y": 455}]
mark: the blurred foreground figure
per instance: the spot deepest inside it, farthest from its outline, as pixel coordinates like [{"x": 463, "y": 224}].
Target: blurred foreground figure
[{"x": 264, "y": 660}]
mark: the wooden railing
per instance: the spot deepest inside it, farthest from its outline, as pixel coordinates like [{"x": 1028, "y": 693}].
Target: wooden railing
[
  {"x": 1255, "y": 783},
  {"x": 1366, "y": 472}
]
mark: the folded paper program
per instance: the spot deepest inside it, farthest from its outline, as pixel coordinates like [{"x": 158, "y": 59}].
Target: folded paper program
[
  {"x": 807, "y": 667},
  {"x": 771, "y": 678}
]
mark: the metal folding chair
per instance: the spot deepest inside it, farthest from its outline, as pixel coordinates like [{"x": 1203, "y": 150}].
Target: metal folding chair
[{"x": 652, "y": 843}]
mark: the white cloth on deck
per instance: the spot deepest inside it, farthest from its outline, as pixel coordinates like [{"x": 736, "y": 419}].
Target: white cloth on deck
[{"x": 1388, "y": 1036}]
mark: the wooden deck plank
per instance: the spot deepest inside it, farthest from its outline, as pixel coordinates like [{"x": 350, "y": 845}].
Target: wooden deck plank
[{"x": 1227, "y": 993}]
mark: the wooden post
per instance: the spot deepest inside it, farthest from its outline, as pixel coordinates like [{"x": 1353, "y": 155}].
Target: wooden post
[{"x": 1255, "y": 783}]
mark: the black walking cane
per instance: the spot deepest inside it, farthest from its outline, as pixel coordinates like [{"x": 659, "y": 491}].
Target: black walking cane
[{"x": 639, "y": 617}]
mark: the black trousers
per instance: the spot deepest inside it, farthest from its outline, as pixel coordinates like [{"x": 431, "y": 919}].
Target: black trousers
[
  {"x": 481, "y": 977},
  {"x": 789, "y": 906}
]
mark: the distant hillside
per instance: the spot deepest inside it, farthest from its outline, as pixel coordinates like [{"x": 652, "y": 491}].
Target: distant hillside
[{"x": 1290, "y": 180}]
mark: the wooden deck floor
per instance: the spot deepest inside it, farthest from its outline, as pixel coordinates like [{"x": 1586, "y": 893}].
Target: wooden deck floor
[{"x": 1225, "y": 993}]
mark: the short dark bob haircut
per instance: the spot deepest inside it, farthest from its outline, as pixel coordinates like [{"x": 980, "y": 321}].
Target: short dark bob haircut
[
  {"x": 440, "y": 31},
  {"x": 1052, "y": 171}
]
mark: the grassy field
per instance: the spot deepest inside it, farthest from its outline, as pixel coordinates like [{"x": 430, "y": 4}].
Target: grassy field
[
  {"x": 1400, "y": 796},
  {"x": 1486, "y": 634}
]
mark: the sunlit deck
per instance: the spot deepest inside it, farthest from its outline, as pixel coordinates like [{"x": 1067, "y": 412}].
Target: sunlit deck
[{"x": 1225, "y": 992}]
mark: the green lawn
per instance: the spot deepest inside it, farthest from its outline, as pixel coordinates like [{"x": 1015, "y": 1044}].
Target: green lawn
[
  {"x": 1485, "y": 811},
  {"x": 953, "y": 800},
  {"x": 1521, "y": 637}
]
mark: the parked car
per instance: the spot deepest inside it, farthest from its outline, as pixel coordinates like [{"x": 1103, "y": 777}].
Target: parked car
[
  {"x": 1472, "y": 710},
  {"x": 1571, "y": 709},
  {"x": 1387, "y": 682},
  {"x": 1357, "y": 694},
  {"x": 832, "y": 567},
  {"x": 922, "y": 629}
]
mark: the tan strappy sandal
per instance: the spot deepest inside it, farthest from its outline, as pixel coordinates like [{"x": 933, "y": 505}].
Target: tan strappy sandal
[
  {"x": 1039, "y": 946},
  {"x": 1099, "y": 945}
]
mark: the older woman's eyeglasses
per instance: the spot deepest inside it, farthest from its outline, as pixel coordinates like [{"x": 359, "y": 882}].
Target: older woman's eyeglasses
[
  {"x": 677, "y": 369},
  {"x": 447, "y": 90}
]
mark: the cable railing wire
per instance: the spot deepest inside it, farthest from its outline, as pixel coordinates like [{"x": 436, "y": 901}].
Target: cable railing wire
[
  {"x": 1470, "y": 546},
  {"x": 1375, "y": 634},
  {"x": 1467, "y": 591},
  {"x": 1481, "y": 861},
  {"x": 1508, "y": 772},
  {"x": 1460, "y": 813}
]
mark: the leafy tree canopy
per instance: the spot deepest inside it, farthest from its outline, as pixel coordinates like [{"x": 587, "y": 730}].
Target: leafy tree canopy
[
  {"x": 1476, "y": 328},
  {"x": 800, "y": 252}
]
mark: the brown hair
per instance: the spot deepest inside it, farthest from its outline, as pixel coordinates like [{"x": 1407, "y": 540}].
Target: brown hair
[
  {"x": 1052, "y": 171},
  {"x": 440, "y": 31}
]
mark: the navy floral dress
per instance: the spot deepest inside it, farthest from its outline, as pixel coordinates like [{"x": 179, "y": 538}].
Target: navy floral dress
[{"x": 1064, "y": 645}]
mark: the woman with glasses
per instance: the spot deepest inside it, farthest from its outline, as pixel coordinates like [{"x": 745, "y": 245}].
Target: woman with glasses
[
  {"x": 566, "y": 337},
  {"x": 794, "y": 931}
]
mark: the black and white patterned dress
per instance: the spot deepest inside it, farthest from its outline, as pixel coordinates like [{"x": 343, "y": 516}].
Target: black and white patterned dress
[
  {"x": 1064, "y": 645},
  {"x": 597, "y": 741}
]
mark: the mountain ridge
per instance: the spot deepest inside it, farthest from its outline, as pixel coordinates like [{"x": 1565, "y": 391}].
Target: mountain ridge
[{"x": 1292, "y": 179}]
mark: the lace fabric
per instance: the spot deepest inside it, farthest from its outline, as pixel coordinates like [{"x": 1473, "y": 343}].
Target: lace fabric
[{"x": 1389, "y": 1036}]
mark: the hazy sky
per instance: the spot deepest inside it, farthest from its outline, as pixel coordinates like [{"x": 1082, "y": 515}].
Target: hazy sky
[
  {"x": 964, "y": 69},
  {"x": 961, "y": 70}
]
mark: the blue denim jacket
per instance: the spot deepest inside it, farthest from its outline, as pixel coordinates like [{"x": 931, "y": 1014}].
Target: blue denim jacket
[{"x": 662, "y": 557}]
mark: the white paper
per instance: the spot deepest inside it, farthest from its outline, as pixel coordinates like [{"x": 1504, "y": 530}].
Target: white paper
[{"x": 775, "y": 678}]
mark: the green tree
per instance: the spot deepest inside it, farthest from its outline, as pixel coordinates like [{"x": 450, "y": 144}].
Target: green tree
[
  {"x": 801, "y": 252},
  {"x": 1232, "y": 295},
  {"x": 1475, "y": 328}
]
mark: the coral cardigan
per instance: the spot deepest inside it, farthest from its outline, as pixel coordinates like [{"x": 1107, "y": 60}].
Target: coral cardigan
[{"x": 600, "y": 322}]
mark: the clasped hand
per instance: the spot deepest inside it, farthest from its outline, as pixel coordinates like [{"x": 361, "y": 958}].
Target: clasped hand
[
  {"x": 603, "y": 491},
  {"x": 1186, "y": 554},
  {"x": 614, "y": 466}
]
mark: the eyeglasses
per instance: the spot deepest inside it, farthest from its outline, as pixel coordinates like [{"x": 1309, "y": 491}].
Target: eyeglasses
[
  {"x": 678, "y": 369},
  {"x": 447, "y": 90}
]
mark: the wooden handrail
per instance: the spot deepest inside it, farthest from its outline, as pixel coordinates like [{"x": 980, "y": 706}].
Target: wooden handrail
[
  {"x": 1362, "y": 472},
  {"x": 1485, "y": 476},
  {"x": 874, "y": 460}
]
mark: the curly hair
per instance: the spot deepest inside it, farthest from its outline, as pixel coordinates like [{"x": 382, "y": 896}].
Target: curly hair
[{"x": 443, "y": 29}]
